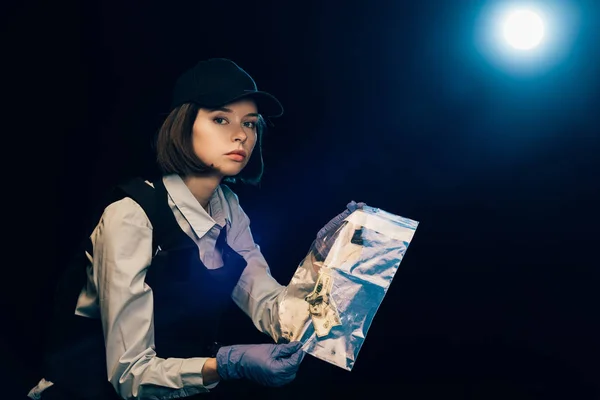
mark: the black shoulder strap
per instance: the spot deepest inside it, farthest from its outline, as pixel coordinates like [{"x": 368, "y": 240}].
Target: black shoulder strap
[
  {"x": 145, "y": 195},
  {"x": 154, "y": 201},
  {"x": 137, "y": 189},
  {"x": 142, "y": 193}
]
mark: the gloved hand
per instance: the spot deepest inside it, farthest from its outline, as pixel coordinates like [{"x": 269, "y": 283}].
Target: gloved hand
[
  {"x": 324, "y": 236},
  {"x": 336, "y": 221},
  {"x": 266, "y": 364}
]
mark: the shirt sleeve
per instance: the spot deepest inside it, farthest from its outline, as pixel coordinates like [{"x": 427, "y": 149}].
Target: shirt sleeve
[
  {"x": 257, "y": 293},
  {"x": 122, "y": 253}
]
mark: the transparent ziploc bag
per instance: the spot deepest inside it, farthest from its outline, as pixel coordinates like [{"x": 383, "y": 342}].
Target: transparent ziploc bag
[{"x": 332, "y": 298}]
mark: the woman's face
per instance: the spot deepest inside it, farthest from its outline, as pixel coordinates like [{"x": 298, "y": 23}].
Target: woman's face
[{"x": 224, "y": 138}]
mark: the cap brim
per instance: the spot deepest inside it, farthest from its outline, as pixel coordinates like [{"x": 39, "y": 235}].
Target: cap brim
[{"x": 266, "y": 103}]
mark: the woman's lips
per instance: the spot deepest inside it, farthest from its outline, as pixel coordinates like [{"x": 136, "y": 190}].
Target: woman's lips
[{"x": 236, "y": 157}]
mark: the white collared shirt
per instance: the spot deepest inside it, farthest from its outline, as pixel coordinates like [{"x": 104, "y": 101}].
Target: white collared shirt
[{"x": 117, "y": 293}]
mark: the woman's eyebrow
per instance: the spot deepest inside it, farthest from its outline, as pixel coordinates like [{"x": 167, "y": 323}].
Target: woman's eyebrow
[
  {"x": 228, "y": 110},
  {"x": 224, "y": 109}
]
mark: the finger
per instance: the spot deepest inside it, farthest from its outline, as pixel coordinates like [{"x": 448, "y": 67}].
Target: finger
[
  {"x": 295, "y": 359},
  {"x": 333, "y": 223},
  {"x": 301, "y": 353},
  {"x": 286, "y": 350},
  {"x": 353, "y": 206}
]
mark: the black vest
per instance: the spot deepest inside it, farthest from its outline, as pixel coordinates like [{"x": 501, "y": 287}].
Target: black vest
[{"x": 189, "y": 300}]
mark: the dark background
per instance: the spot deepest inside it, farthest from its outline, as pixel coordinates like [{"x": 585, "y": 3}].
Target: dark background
[{"x": 396, "y": 104}]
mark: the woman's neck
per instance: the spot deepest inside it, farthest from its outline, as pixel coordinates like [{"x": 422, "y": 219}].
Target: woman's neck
[{"x": 202, "y": 187}]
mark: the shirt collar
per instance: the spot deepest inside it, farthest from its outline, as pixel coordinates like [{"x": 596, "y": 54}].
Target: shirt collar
[{"x": 200, "y": 221}]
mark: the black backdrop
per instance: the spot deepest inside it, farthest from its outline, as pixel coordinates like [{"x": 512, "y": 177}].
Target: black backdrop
[{"x": 390, "y": 104}]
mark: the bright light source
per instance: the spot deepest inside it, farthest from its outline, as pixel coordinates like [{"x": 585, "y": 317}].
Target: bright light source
[
  {"x": 523, "y": 29},
  {"x": 526, "y": 37}
]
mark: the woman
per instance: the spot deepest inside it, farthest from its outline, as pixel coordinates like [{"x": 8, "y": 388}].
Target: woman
[{"x": 166, "y": 256}]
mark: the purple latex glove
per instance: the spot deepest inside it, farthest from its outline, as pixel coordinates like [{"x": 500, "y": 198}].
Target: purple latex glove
[
  {"x": 266, "y": 364},
  {"x": 324, "y": 236}
]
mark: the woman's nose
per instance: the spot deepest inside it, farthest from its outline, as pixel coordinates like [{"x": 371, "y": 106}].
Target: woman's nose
[{"x": 240, "y": 135}]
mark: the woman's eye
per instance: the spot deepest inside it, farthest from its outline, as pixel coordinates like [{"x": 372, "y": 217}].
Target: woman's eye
[
  {"x": 250, "y": 124},
  {"x": 220, "y": 120}
]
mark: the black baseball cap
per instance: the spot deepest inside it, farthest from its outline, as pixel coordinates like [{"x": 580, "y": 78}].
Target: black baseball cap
[{"x": 216, "y": 82}]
